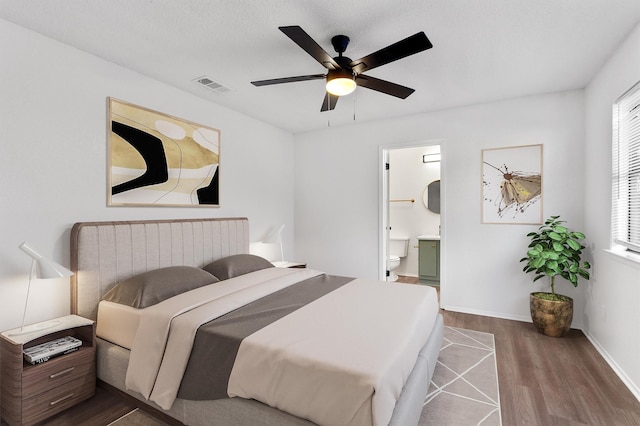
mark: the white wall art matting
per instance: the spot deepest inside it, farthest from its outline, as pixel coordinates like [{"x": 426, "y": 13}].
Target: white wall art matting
[{"x": 512, "y": 185}]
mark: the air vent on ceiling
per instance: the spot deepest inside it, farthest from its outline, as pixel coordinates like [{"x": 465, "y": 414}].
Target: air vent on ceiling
[{"x": 212, "y": 85}]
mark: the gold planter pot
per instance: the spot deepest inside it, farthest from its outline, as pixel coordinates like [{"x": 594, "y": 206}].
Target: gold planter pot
[{"x": 551, "y": 317}]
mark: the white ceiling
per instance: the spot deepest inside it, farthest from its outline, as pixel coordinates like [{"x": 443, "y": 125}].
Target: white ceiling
[{"x": 484, "y": 50}]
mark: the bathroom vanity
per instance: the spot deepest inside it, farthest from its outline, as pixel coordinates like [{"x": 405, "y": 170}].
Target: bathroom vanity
[{"x": 429, "y": 259}]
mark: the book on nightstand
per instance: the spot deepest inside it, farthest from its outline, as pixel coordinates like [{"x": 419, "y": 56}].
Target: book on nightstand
[{"x": 45, "y": 351}]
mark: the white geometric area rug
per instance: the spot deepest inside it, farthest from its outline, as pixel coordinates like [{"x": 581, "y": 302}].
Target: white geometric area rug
[{"x": 464, "y": 388}]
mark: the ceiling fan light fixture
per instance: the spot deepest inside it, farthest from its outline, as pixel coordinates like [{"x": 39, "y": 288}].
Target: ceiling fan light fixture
[{"x": 340, "y": 82}]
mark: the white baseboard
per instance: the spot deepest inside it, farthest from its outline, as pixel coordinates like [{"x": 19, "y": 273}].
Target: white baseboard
[
  {"x": 635, "y": 390},
  {"x": 486, "y": 313}
]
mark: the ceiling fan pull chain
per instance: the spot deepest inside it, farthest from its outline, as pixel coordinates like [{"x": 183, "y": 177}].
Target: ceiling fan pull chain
[{"x": 354, "y": 107}]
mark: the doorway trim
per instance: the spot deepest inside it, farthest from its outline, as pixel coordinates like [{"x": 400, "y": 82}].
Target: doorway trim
[{"x": 383, "y": 228}]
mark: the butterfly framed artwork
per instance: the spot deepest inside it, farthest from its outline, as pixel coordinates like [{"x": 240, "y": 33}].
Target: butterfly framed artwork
[{"x": 512, "y": 185}]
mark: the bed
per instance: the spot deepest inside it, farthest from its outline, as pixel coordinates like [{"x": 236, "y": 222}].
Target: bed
[{"x": 367, "y": 361}]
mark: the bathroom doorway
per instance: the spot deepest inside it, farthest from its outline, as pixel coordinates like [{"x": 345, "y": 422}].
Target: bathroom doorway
[{"x": 411, "y": 208}]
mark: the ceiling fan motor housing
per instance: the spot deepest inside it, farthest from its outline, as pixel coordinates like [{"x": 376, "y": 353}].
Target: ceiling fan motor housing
[
  {"x": 343, "y": 61},
  {"x": 341, "y": 73}
]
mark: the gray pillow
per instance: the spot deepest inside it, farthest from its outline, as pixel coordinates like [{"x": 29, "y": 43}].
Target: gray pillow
[
  {"x": 149, "y": 288},
  {"x": 238, "y": 264}
]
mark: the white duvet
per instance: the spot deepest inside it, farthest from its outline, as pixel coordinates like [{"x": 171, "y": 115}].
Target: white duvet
[{"x": 340, "y": 360}]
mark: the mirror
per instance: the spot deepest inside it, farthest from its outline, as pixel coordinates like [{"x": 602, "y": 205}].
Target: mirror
[{"x": 431, "y": 197}]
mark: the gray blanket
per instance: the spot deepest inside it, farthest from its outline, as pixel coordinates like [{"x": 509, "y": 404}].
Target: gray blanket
[{"x": 217, "y": 342}]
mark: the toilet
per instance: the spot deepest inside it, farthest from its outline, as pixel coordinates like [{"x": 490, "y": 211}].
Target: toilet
[{"x": 398, "y": 247}]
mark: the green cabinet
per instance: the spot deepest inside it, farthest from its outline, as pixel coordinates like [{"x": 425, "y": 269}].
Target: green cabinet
[{"x": 429, "y": 261}]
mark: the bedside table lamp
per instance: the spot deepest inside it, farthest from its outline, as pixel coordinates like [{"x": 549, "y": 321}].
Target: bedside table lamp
[
  {"x": 275, "y": 237},
  {"x": 41, "y": 267}
]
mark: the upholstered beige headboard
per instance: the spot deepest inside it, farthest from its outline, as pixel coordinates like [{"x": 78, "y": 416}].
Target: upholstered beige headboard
[{"x": 105, "y": 253}]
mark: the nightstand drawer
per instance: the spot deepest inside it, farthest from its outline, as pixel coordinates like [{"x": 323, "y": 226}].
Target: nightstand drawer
[
  {"x": 42, "y": 377},
  {"x": 41, "y": 406}
]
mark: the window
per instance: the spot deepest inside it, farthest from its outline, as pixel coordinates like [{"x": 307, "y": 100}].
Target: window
[{"x": 626, "y": 170}]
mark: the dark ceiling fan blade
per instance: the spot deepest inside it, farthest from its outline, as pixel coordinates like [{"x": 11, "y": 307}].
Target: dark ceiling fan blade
[
  {"x": 329, "y": 102},
  {"x": 409, "y": 46},
  {"x": 384, "y": 86},
  {"x": 288, "y": 79},
  {"x": 304, "y": 40}
]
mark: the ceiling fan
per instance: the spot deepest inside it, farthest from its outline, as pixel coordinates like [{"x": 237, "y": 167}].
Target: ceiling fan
[{"x": 345, "y": 74}]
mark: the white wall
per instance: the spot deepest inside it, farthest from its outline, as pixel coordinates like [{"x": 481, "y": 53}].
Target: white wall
[
  {"x": 337, "y": 196},
  {"x": 53, "y": 128},
  {"x": 612, "y": 310},
  {"x": 408, "y": 179}
]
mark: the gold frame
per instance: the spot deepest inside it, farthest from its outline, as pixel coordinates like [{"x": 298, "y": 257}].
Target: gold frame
[{"x": 155, "y": 159}]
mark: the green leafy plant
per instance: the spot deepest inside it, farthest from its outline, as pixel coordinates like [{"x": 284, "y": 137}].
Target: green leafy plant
[{"x": 556, "y": 251}]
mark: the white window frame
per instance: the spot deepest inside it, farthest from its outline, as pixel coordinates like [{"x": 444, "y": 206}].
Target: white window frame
[{"x": 625, "y": 182}]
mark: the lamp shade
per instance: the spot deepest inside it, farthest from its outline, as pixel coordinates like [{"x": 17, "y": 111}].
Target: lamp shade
[
  {"x": 340, "y": 82},
  {"x": 275, "y": 237},
  {"x": 45, "y": 268},
  {"x": 41, "y": 267}
]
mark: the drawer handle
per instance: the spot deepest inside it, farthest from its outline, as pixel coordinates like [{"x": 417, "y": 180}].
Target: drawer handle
[
  {"x": 61, "y": 373},
  {"x": 57, "y": 401}
]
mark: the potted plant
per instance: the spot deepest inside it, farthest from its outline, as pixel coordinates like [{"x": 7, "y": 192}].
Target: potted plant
[{"x": 554, "y": 251}]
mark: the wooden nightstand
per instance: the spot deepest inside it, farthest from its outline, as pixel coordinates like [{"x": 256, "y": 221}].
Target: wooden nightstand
[{"x": 32, "y": 393}]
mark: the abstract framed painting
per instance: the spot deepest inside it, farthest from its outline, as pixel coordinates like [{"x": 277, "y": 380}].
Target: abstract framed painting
[
  {"x": 512, "y": 185},
  {"x": 155, "y": 159}
]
